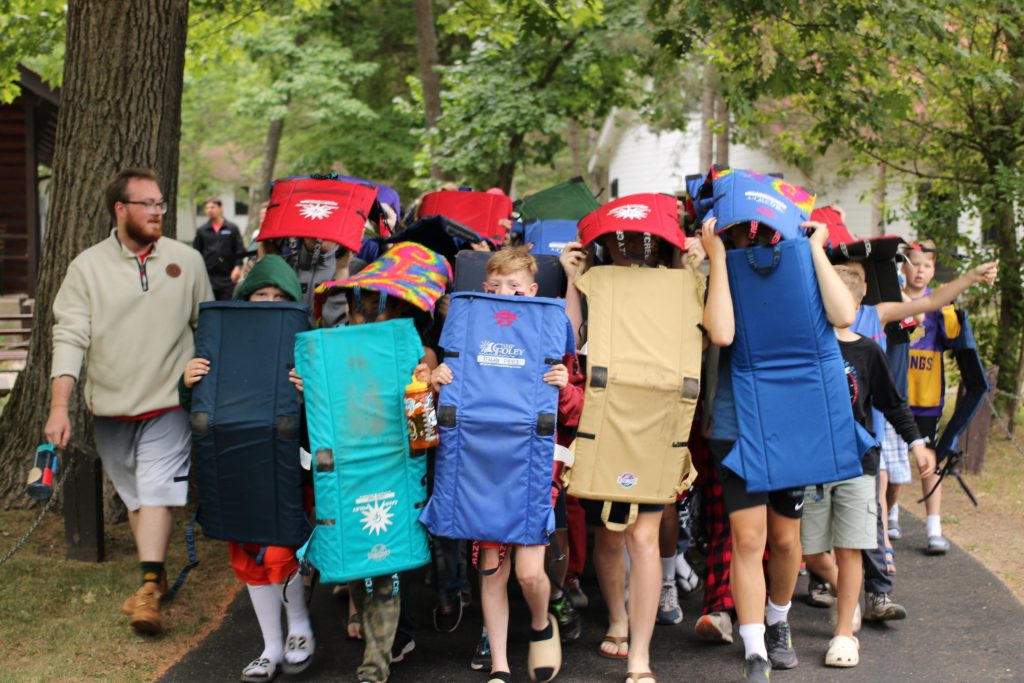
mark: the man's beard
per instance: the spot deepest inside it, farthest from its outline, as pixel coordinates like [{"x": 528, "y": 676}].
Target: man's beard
[{"x": 144, "y": 232}]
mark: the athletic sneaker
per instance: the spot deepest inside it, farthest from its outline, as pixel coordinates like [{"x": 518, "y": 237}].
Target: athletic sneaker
[
  {"x": 779, "y": 640},
  {"x": 482, "y": 654},
  {"x": 403, "y": 645},
  {"x": 715, "y": 627},
  {"x": 570, "y": 624},
  {"x": 576, "y": 595},
  {"x": 448, "y": 617},
  {"x": 819, "y": 594},
  {"x": 895, "y": 533},
  {"x": 880, "y": 607},
  {"x": 756, "y": 668},
  {"x": 937, "y": 545},
  {"x": 669, "y": 611}
]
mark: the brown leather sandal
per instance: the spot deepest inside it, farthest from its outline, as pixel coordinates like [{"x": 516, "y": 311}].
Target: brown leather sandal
[{"x": 617, "y": 641}]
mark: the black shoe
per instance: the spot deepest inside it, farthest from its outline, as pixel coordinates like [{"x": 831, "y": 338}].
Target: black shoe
[
  {"x": 780, "y": 646},
  {"x": 482, "y": 654},
  {"x": 570, "y": 623},
  {"x": 448, "y": 617},
  {"x": 403, "y": 645},
  {"x": 756, "y": 668}
]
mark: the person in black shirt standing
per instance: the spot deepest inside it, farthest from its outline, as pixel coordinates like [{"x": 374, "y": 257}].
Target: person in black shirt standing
[{"x": 220, "y": 243}]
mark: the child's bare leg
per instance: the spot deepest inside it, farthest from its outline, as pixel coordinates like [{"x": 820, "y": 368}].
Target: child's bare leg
[
  {"x": 610, "y": 565},
  {"x": 784, "y": 562},
  {"x": 824, "y": 565},
  {"x": 892, "y": 495},
  {"x": 851, "y": 573},
  {"x": 535, "y": 584},
  {"x": 645, "y": 587},
  {"x": 749, "y": 528},
  {"x": 494, "y": 602},
  {"x": 883, "y": 502}
]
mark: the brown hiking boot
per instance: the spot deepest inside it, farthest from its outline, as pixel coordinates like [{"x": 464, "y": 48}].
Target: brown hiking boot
[
  {"x": 146, "y": 610},
  {"x": 128, "y": 606}
]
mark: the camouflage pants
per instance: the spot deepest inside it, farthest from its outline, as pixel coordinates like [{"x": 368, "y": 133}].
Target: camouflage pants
[{"x": 379, "y": 612}]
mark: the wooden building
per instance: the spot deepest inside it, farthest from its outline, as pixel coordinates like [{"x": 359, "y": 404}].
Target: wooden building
[{"x": 28, "y": 131}]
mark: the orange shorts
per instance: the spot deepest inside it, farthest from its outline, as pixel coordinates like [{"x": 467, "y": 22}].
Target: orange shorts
[{"x": 278, "y": 563}]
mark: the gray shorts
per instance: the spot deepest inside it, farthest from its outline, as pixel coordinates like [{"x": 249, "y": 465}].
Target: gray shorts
[
  {"x": 147, "y": 460},
  {"x": 895, "y": 458},
  {"x": 845, "y": 518}
]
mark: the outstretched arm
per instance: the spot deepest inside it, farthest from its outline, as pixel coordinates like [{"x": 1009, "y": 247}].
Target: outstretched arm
[{"x": 889, "y": 311}]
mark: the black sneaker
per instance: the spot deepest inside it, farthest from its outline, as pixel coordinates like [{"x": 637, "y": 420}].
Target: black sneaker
[
  {"x": 403, "y": 645},
  {"x": 482, "y": 654},
  {"x": 780, "y": 646},
  {"x": 756, "y": 668},
  {"x": 448, "y": 617},
  {"x": 570, "y": 624}
]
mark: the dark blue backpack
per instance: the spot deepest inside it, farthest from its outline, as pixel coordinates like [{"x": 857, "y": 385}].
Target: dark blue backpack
[{"x": 497, "y": 419}]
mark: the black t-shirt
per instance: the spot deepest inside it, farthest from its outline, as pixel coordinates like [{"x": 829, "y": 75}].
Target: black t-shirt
[{"x": 871, "y": 385}]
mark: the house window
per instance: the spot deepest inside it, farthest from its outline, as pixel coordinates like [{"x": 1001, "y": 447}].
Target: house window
[{"x": 615, "y": 189}]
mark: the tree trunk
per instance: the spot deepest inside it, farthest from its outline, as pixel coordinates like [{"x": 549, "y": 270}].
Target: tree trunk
[
  {"x": 120, "y": 106},
  {"x": 426, "y": 44},
  {"x": 707, "y": 114},
  {"x": 1011, "y": 296},
  {"x": 576, "y": 148},
  {"x": 878, "y": 205},
  {"x": 722, "y": 138},
  {"x": 507, "y": 171},
  {"x": 261, "y": 191}
]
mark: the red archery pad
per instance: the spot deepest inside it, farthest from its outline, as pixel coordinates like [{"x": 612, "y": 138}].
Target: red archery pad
[
  {"x": 482, "y": 212},
  {"x": 321, "y": 209},
  {"x": 653, "y": 213}
]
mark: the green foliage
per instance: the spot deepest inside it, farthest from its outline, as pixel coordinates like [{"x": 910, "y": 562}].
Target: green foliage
[{"x": 33, "y": 34}]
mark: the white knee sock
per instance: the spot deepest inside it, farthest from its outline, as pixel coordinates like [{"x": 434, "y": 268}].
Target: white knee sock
[
  {"x": 934, "y": 525},
  {"x": 894, "y": 513},
  {"x": 776, "y": 613},
  {"x": 753, "y": 640},
  {"x": 668, "y": 570},
  {"x": 295, "y": 608},
  {"x": 266, "y": 601}
]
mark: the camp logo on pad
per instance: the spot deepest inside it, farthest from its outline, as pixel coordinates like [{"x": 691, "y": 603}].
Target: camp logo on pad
[
  {"x": 627, "y": 480},
  {"x": 316, "y": 209},
  {"x": 631, "y": 212},
  {"x": 505, "y": 318},
  {"x": 500, "y": 354},
  {"x": 376, "y": 511},
  {"x": 379, "y": 552},
  {"x": 762, "y": 198}
]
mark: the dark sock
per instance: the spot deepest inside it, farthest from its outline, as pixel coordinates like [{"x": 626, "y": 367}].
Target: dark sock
[
  {"x": 542, "y": 634},
  {"x": 504, "y": 676},
  {"x": 152, "y": 571}
]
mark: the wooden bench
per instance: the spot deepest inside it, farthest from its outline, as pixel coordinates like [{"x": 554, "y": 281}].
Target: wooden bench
[{"x": 15, "y": 333}]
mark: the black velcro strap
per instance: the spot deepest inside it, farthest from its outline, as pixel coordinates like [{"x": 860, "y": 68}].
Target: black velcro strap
[
  {"x": 180, "y": 479},
  {"x": 691, "y": 388},
  {"x": 552, "y": 361},
  {"x": 451, "y": 354},
  {"x": 584, "y": 435},
  {"x": 420, "y": 504},
  {"x": 446, "y": 416},
  {"x": 324, "y": 460},
  {"x": 545, "y": 424},
  {"x": 598, "y": 377},
  {"x": 679, "y": 444}
]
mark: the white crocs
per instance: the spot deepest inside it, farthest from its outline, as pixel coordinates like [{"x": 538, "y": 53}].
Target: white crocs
[
  {"x": 259, "y": 670},
  {"x": 298, "y": 653},
  {"x": 843, "y": 651}
]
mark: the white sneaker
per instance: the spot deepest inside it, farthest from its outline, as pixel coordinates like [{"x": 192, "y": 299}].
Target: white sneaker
[{"x": 669, "y": 611}]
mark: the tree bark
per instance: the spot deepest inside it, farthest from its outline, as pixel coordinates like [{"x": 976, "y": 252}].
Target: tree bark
[
  {"x": 261, "y": 192},
  {"x": 707, "y": 114},
  {"x": 1011, "y": 296},
  {"x": 426, "y": 44},
  {"x": 878, "y": 205},
  {"x": 722, "y": 138},
  {"x": 120, "y": 106}
]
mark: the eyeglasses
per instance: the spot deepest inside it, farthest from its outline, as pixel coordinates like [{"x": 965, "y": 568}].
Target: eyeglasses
[{"x": 150, "y": 205}]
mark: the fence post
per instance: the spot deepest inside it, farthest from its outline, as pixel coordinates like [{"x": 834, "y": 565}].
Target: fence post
[
  {"x": 974, "y": 439},
  {"x": 83, "y": 508}
]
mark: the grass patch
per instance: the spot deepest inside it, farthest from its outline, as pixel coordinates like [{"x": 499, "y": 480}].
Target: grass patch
[{"x": 61, "y": 620}]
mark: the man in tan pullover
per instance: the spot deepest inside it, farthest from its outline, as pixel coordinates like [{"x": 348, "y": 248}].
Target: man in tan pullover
[{"x": 129, "y": 305}]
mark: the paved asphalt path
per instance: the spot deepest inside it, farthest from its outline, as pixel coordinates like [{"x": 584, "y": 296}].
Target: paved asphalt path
[{"x": 963, "y": 625}]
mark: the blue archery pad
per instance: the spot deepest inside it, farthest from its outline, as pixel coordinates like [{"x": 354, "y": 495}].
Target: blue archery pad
[
  {"x": 369, "y": 489},
  {"x": 246, "y": 418},
  {"x": 796, "y": 425},
  {"x": 550, "y": 236},
  {"x": 497, "y": 418}
]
